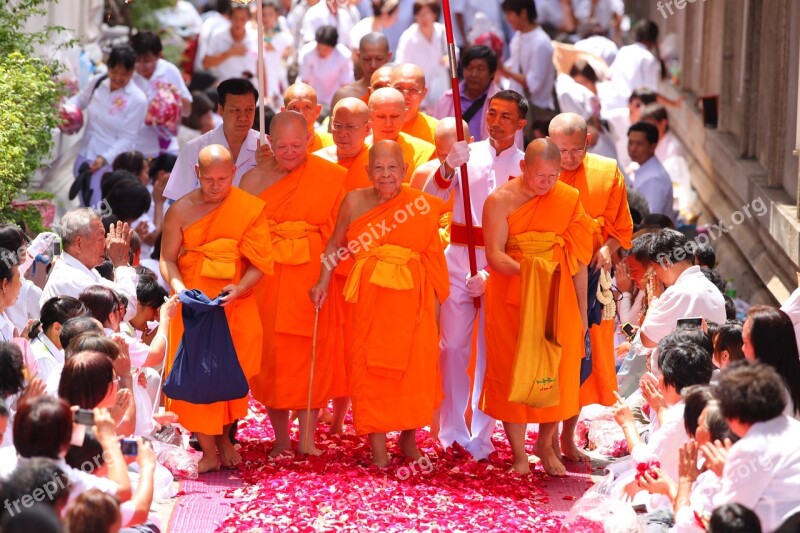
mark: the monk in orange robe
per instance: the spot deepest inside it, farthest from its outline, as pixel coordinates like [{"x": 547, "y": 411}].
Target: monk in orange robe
[
  {"x": 380, "y": 78},
  {"x": 373, "y": 52},
  {"x": 399, "y": 278},
  {"x": 536, "y": 232},
  {"x": 302, "y": 193},
  {"x": 602, "y": 191},
  {"x": 302, "y": 98},
  {"x": 216, "y": 239},
  {"x": 387, "y": 111},
  {"x": 409, "y": 79},
  {"x": 350, "y": 127}
]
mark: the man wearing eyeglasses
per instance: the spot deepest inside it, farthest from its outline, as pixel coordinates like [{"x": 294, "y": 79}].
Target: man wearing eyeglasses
[
  {"x": 602, "y": 192},
  {"x": 350, "y": 126},
  {"x": 410, "y": 80}
]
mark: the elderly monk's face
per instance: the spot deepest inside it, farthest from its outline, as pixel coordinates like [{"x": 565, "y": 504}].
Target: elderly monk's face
[
  {"x": 307, "y": 106},
  {"x": 349, "y": 131},
  {"x": 540, "y": 174},
  {"x": 216, "y": 180},
  {"x": 572, "y": 149},
  {"x": 289, "y": 146},
  {"x": 386, "y": 172}
]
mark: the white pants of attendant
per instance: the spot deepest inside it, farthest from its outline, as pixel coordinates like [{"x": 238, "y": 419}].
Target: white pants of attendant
[{"x": 457, "y": 320}]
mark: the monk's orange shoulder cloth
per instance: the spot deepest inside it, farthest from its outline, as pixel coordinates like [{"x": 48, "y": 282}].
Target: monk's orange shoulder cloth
[
  {"x": 422, "y": 127},
  {"x": 217, "y": 249},
  {"x": 550, "y": 233},
  {"x": 398, "y": 276},
  {"x": 415, "y": 152}
]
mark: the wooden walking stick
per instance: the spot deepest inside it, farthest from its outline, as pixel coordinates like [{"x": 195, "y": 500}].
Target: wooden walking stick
[
  {"x": 311, "y": 376},
  {"x": 464, "y": 181}
]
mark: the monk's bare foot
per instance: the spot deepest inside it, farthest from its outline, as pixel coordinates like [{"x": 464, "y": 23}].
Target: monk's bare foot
[
  {"x": 572, "y": 452},
  {"x": 208, "y": 463},
  {"x": 228, "y": 455},
  {"x": 408, "y": 444},
  {"x": 325, "y": 416},
  {"x": 521, "y": 466},
  {"x": 279, "y": 447},
  {"x": 556, "y": 445},
  {"x": 381, "y": 461},
  {"x": 336, "y": 429},
  {"x": 550, "y": 461},
  {"x": 311, "y": 449}
]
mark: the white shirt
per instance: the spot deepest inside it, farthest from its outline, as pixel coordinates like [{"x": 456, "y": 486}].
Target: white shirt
[
  {"x": 531, "y": 54},
  {"x": 113, "y": 119},
  {"x": 603, "y": 12},
  {"x": 273, "y": 59},
  {"x": 70, "y": 277},
  {"x": 47, "y": 356},
  {"x": 138, "y": 350},
  {"x": 319, "y": 15},
  {"x": 549, "y": 12},
  {"x": 670, "y": 152},
  {"x": 486, "y": 171},
  {"x": 147, "y": 140},
  {"x": 234, "y": 66},
  {"x": 602, "y": 46},
  {"x": 762, "y": 471},
  {"x": 27, "y": 305},
  {"x": 701, "y": 500},
  {"x": 325, "y": 75},
  {"x": 212, "y": 23},
  {"x": 691, "y": 295},
  {"x": 634, "y": 67},
  {"x": 427, "y": 55},
  {"x": 655, "y": 185},
  {"x": 182, "y": 17},
  {"x": 575, "y": 98},
  {"x": 6, "y": 328},
  {"x": 665, "y": 442},
  {"x": 792, "y": 308},
  {"x": 629, "y": 308},
  {"x": 183, "y": 179}
]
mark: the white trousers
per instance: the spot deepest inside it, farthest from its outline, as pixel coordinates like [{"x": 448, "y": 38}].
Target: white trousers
[{"x": 457, "y": 322}]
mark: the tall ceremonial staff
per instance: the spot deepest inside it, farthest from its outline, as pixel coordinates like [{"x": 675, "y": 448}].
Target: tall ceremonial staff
[{"x": 451, "y": 52}]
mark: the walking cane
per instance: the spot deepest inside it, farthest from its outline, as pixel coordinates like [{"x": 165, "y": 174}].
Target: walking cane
[{"x": 311, "y": 375}]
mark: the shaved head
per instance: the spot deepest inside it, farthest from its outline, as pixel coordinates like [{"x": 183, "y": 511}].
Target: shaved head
[
  {"x": 373, "y": 51},
  {"x": 214, "y": 154},
  {"x": 351, "y": 107},
  {"x": 350, "y": 126},
  {"x": 299, "y": 90},
  {"x": 567, "y": 124},
  {"x": 374, "y": 40},
  {"x": 215, "y": 171},
  {"x": 385, "y": 149},
  {"x": 387, "y": 110},
  {"x": 386, "y": 168},
  {"x": 541, "y": 166},
  {"x": 542, "y": 149},
  {"x": 410, "y": 80},
  {"x": 444, "y": 136},
  {"x": 302, "y": 98},
  {"x": 568, "y": 131},
  {"x": 382, "y": 77},
  {"x": 386, "y": 97},
  {"x": 288, "y": 136},
  {"x": 408, "y": 71}
]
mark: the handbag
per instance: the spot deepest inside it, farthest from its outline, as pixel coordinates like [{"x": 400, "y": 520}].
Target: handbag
[{"x": 206, "y": 368}]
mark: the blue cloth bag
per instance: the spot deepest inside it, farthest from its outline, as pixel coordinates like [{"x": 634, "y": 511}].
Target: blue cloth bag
[{"x": 206, "y": 368}]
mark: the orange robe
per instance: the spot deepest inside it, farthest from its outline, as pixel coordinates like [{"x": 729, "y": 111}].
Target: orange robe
[
  {"x": 241, "y": 217},
  {"x": 605, "y": 199},
  {"x": 422, "y": 127},
  {"x": 415, "y": 152},
  {"x": 321, "y": 140},
  {"x": 559, "y": 211},
  {"x": 301, "y": 209},
  {"x": 356, "y": 177},
  {"x": 393, "y": 289}
]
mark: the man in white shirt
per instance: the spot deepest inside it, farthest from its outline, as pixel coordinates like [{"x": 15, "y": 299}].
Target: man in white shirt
[
  {"x": 153, "y": 71},
  {"x": 326, "y": 65},
  {"x": 762, "y": 469},
  {"x": 688, "y": 292},
  {"x": 529, "y": 69},
  {"x": 86, "y": 246},
  {"x": 237, "y": 107},
  {"x": 320, "y": 15},
  {"x": 490, "y": 164},
  {"x": 233, "y": 52},
  {"x": 650, "y": 179},
  {"x": 635, "y": 66}
]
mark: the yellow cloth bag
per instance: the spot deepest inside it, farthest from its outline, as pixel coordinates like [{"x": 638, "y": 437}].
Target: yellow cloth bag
[{"x": 534, "y": 379}]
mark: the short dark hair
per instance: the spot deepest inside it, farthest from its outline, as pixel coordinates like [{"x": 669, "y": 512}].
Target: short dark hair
[
  {"x": 146, "y": 42},
  {"x": 480, "y": 53},
  {"x": 734, "y": 518},
  {"x": 695, "y": 399},
  {"x": 57, "y": 309},
  {"x": 646, "y": 31},
  {"x": 683, "y": 363},
  {"x": 150, "y": 293},
  {"x": 657, "y": 221},
  {"x": 704, "y": 254},
  {"x": 91, "y": 342},
  {"x": 93, "y": 510},
  {"x": 100, "y": 300},
  {"x": 8, "y": 260},
  {"x": 129, "y": 200},
  {"x": 40, "y": 472},
  {"x": 774, "y": 343},
  {"x": 112, "y": 179},
  {"x": 585, "y": 69},
  {"x": 12, "y": 237},
  {"x": 667, "y": 247},
  {"x": 76, "y": 326},
  {"x": 12, "y": 378},
  {"x": 42, "y": 427},
  {"x": 730, "y": 308},
  {"x": 650, "y": 131},
  {"x": 164, "y": 162},
  {"x": 327, "y": 35},
  {"x": 512, "y": 96},
  {"x": 717, "y": 425},
  {"x": 693, "y": 335},
  {"x": 644, "y": 95},
  {"x": 713, "y": 275},
  {"x": 132, "y": 161},
  {"x": 90, "y": 452},
  {"x": 85, "y": 379},
  {"x": 729, "y": 337},
  {"x": 750, "y": 392},
  {"x": 122, "y": 56},
  {"x": 235, "y": 87},
  {"x": 518, "y": 6},
  {"x": 640, "y": 247},
  {"x": 433, "y": 5}
]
